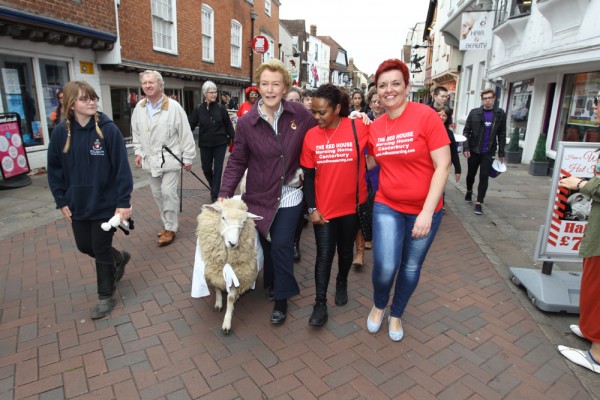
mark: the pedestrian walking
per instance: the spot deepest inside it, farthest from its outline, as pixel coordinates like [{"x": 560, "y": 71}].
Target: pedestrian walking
[
  {"x": 268, "y": 144},
  {"x": 91, "y": 181},
  {"x": 215, "y": 132},
  {"x": 410, "y": 145},
  {"x": 158, "y": 122},
  {"x": 589, "y": 302},
  {"x": 485, "y": 131}
]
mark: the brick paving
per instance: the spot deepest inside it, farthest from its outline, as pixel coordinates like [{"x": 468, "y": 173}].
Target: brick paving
[{"x": 467, "y": 335}]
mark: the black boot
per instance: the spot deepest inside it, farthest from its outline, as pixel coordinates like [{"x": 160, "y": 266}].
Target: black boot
[
  {"x": 121, "y": 260},
  {"x": 341, "y": 292},
  {"x": 297, "y": 255},
  {"x": 319, "y": 314}
]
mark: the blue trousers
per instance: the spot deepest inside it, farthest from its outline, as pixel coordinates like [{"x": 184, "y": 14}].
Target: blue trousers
[
  {"x": 397, "y": 256},
  {"x": 279, "y": 254}
]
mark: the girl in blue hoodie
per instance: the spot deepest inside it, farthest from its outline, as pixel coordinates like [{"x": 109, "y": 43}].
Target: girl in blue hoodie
[{"x": 91, "y": 180}]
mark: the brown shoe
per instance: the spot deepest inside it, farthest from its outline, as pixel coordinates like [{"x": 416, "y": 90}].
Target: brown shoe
[
  {"x": 166, "y": 238},
  {"x": 162, "y": 232},
  {"x": 368, "y": 245},
  {"x": 358, "y": 261}
]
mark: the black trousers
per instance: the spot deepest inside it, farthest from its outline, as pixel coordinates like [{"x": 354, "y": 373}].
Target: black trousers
[
  {"x": 212, "y": 159},
  {"x": 483, "y": 162},
  {"x": 339, "y": 233},
  {"x": 92, "y": 240}
]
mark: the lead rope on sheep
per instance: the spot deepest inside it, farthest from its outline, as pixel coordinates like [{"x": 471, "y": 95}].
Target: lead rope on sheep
[{"x": 230, "y": 227}]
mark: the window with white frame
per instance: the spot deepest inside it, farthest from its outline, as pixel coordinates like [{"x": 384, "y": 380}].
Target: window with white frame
[
  {"x": 236, "y": 44},
  {"x": 208, "y": 33},
  {"x": 268, "y": 7},
  {"x": 164, "y": 28}
]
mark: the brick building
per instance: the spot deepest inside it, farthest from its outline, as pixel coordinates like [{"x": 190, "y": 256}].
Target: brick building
[{"x": 43, "y": 45}]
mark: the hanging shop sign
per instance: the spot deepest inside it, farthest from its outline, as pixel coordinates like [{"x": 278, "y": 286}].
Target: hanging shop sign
[{"x": 260, "y": 44}]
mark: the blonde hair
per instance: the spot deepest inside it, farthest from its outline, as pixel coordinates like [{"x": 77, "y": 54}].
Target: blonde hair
[
  {"x": 71, "y": 92},
  {"x": 274, "y": 65}
]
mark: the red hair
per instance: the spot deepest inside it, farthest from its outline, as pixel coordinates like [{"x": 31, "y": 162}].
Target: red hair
[
  {"x": 251, "y": 89},
  {"x": 390, "y": 65}
]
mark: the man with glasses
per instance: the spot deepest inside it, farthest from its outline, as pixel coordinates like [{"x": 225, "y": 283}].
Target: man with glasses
[
  {"x": 159, "y": 122},
  {"x": 485, "y": 131}
]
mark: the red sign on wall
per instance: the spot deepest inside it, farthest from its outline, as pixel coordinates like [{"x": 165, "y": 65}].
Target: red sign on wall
[
  {"x": 13, "y": 159},
  {"x": 260, "y": 44}
]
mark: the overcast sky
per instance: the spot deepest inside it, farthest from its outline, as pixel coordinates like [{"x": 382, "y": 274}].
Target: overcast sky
[{"x": 371, "y": 31}]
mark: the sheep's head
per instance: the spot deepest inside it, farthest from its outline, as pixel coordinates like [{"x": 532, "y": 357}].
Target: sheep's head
[{"x": 234, "y": 215}]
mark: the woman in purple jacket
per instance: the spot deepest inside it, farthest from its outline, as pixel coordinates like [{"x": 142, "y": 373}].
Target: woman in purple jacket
[{"x": 268, "y": 142}]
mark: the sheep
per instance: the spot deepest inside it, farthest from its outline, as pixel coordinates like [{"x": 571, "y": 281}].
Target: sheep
[{"x": 227, "y": 240}]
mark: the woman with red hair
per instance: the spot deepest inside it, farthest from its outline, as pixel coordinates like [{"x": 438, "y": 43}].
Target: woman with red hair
[
  {"x": 410, "y": 144},
  {"x": 251, "y": 97}
]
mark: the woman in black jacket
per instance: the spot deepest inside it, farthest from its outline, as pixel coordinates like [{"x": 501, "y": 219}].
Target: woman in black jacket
[{"x": 215, "y": 130}]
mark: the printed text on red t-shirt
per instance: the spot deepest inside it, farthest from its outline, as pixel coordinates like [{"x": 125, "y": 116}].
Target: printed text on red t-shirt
[
  {"x": 334, "y": 152},
  {"x": 395, "y": 144}
]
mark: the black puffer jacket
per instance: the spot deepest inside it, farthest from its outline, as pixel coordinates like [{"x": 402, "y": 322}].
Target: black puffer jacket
[{"x": 475, "y": 129}]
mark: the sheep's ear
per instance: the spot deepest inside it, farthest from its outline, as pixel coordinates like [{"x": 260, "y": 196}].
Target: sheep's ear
[
  {"x": 215, "y": 207},
  {"x": 254, "y": 216}
]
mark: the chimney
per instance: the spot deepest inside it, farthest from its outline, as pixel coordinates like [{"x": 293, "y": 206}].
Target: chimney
[{"x": 313, "y": 30}]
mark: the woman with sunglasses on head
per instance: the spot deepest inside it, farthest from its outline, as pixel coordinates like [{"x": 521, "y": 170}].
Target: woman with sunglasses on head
[
  {"x": 589, "y": 301},
  {"x": 91, "y": 181},
  {"x": 334, "y": 177},
  {"x": 410, "y": 145},
  {"x": 376, "y": 111}
]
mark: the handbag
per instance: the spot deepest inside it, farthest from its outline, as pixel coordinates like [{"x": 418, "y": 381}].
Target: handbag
[{"x": 364, "y": 211}]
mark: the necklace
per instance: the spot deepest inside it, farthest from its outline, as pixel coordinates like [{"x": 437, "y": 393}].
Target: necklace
[
  {"x": 333, "y": 134},
  {"x": 387, "y": 131}
]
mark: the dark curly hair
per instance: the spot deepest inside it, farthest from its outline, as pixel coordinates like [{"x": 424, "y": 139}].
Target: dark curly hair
[{"x": 334, "y": 96}]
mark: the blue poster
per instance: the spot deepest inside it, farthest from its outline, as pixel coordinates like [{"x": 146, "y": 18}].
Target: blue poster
[{"x": 15, "y": 104}]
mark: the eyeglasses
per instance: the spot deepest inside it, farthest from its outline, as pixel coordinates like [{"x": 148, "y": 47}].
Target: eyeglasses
[
  {"x": 596, "y": 101},
  {"x": 487, "y": 98},
  {"x": 86, "y": 99},
  {"x": 375, "y": 101},
  {"x": 211, "y": 92}
]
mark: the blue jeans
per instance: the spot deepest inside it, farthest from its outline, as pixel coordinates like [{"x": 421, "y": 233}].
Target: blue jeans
[{"x": 397, "y": 255}]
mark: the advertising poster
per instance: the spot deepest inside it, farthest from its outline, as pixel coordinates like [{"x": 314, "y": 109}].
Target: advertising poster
[
  {"x": 476, "y": 30},
  {"x": 581, "y": 111},
  {"x": 568, "y": 210},
  {"x": 13, "y": 159}
]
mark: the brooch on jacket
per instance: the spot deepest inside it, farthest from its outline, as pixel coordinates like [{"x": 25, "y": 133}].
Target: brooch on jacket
[{"x": 293, "y": 124}]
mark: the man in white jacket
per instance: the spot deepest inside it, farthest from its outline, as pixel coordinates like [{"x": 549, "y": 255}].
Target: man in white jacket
[{"x": 158, "y": 121}]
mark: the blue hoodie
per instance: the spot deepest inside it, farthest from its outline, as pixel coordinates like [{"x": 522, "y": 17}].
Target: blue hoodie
[{"x": 93, "y": 178}]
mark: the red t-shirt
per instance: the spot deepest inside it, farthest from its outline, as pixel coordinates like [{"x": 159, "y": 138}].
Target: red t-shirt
[
  {"x": 402, "y": 148},
  {"x": 244, "y": 108},
  {"x": 335, "y": 163}
]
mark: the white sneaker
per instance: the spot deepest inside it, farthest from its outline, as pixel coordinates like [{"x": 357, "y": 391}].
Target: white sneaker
[
  {"x": 575, "y": 329},
  {"x": 580, "y": 357}
]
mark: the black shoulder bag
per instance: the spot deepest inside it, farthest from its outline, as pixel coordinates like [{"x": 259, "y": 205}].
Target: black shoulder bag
[{"x": 364, "y": 211}]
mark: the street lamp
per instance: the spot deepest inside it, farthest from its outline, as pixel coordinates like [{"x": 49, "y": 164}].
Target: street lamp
[{"x": 253, "y": 17}]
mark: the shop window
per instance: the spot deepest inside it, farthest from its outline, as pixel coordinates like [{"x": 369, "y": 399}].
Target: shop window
[
  {"x": 576, "y": 121},
  {"x": 519, "y": 106},
  {"x": 55, "y": 74},
  {"x": 18, "y": 94}
]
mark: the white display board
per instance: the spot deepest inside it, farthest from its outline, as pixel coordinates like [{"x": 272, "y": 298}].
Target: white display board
[{"x": 568, "y": 210}]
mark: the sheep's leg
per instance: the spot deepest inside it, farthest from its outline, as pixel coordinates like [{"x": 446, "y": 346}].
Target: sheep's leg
[
  {"x": 229, "y": 312},
  {"x": 218, "y": 300}
]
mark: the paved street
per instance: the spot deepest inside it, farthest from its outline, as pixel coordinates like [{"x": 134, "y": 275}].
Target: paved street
[{"x": 470, "y": 333}]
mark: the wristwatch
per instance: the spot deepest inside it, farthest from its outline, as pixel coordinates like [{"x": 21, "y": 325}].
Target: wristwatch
[{"x": 310, "y": 210}]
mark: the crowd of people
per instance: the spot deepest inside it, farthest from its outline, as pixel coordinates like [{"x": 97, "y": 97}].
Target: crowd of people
[{"x": 306, "y": 156}]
